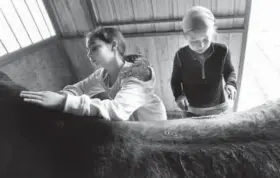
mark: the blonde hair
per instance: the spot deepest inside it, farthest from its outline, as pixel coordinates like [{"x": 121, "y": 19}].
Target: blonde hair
[{"x": 198, "y": 18}]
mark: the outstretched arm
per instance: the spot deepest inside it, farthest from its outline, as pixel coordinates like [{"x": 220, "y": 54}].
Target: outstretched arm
[
  {"x": 131, "y": 97},
  {"x": 92, "y": 82},
  {"x": 57, "y": 100}
]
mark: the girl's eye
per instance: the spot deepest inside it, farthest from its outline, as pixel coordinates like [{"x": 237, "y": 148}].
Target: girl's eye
[
  {"x": 94, "y": 48},
  {"x": 205, "y": 40},
  {"x": 194, "y": 42}
]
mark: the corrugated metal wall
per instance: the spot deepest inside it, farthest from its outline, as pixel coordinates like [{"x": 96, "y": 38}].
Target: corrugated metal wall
[{"x": 79, "y": 16}]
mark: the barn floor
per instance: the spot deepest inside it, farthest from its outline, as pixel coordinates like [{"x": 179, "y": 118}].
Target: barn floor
[{"x": 261, "y": 73}]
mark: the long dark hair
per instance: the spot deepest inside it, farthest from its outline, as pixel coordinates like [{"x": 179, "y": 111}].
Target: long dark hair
[
  {"x": 107, "y": 35},
  {"x": 110, "y": 34}
]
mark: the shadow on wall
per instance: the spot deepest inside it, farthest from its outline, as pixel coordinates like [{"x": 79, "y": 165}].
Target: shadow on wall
[
  {"x": 4, "y": 77},
  {"x": 44, "y": 69}
]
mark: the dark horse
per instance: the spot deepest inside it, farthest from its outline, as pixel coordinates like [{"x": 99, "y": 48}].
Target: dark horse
[{"x": 40, "y": 143}]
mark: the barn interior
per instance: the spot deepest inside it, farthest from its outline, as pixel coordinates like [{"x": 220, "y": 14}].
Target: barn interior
[{"x": 42, "y": 45}]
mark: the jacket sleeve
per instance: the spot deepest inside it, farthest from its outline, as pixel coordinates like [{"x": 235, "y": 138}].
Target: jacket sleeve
[
  {"x": 92, "y": 82},
  {"x": 229, "y": 72},
  {"x": 130, "y": 97},
  {"x": 176, "y": 78}
]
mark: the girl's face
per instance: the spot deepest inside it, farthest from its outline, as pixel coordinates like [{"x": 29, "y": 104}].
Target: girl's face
[
  {"x": 100, "y": 53},
  {"x": 199, "y": 41}
]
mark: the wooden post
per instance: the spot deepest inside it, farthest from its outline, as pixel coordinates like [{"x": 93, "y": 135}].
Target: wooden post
[
  {"x": 52, "y": 14},
  {"x": 243, "y": 50}
]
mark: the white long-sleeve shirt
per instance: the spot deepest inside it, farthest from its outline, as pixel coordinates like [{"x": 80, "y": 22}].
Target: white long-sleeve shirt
[{"x": 130, "y": 98}]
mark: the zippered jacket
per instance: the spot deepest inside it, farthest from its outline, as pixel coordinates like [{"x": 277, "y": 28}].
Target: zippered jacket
[{"x": 202, "y": 82}]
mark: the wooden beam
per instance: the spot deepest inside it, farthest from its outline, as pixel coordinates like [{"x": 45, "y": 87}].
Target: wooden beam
[
  {"x": 153, "y": 33},
  {"x": 149, "y": 21},
  {"x": 243, "y": 50},
  {"x": 178, "y": 32},
  {"x": 13, "y": 56},
  {"x": 51, "y": 14},
  {"x": 91, "y": 13}
]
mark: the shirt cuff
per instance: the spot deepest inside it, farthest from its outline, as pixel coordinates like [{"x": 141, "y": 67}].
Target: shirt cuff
[
  {"x": 74, "y": 104},
  {"x": 84, "y": 106},
  {"x": 68, "y": 92}
]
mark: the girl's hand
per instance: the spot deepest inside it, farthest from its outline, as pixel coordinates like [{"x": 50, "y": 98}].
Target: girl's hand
[
  {"x": 46, "y": 99},
  {"x": 231, "y": 91},
  {"x": 182, "y": 103}
]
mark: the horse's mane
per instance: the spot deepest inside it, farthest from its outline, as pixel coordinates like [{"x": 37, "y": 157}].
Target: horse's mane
[
  {"x": 9, "y": 88},
  {"x": 240, "y": 126},
  {"x": 4, "y": 77}
]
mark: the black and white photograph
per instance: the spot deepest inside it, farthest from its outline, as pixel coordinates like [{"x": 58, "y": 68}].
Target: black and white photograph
[{"x": 139, "y": 89}]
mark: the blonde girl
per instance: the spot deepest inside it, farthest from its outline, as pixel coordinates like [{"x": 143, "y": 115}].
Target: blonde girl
[{"x": 201, "y": 66}]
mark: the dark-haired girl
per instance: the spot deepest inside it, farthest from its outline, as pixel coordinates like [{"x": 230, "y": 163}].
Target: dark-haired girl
[{"x": 122, "y": 88}]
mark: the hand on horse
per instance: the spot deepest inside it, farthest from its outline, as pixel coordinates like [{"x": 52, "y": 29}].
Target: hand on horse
[
  {"x": 231, "y": 91},
  {"x": 182, "y": 103},
  {"x": 46, "y": 99}
]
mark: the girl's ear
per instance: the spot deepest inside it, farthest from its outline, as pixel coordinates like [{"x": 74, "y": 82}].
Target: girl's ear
[
  {"x": 215, "y": 35},
  {"x": 114, "y": 45}
]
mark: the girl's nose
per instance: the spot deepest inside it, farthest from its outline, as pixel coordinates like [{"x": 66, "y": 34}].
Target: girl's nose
[
  {"x": 200, "y": 44},
  {"x": 88, "y": 55}
]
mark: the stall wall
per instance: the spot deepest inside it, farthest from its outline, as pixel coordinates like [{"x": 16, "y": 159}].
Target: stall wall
[
  {"x": 45, "y": 68},
  {"x": 159, "y": 51},
  {"x": 77, "y": 53}
]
